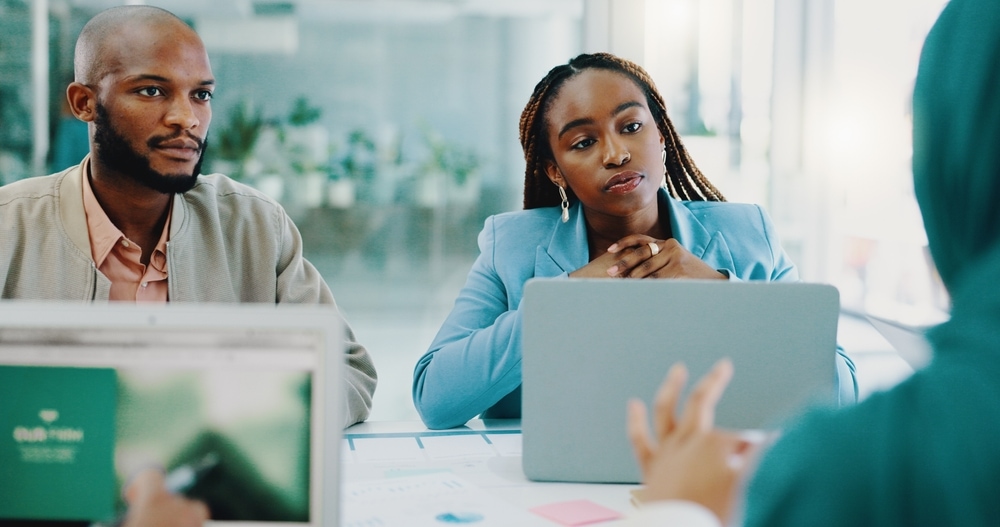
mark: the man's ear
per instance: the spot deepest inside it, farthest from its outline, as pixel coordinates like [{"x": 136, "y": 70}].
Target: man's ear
[
  {"x": 554, "y": 174},
  {"x": 82, "y": 101}
]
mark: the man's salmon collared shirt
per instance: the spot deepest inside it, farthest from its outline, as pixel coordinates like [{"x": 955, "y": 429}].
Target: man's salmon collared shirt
[{"x": 118, "y": 258}]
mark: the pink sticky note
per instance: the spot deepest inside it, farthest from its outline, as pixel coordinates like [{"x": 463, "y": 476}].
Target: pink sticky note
[{"x": 579, "y": 512}]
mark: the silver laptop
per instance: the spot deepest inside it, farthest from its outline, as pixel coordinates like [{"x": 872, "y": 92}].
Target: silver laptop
[
  {"x": 239, "y": 404},
  {"x": 590, "y": 345}
]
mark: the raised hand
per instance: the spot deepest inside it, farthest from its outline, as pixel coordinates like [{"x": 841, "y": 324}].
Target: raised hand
[{"x": 688, "y": 458}]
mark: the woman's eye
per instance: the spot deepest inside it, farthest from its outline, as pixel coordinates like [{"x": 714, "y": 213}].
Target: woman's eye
[
  {"x": 632, "y": 128},
  {"x": 580, "y": 145},
  {"x": 204, "y": 95},
  {"x": 151, "y": 91}
]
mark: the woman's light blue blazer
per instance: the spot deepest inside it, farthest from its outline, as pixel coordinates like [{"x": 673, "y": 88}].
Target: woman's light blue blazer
[{"x": 473, "y": 366}]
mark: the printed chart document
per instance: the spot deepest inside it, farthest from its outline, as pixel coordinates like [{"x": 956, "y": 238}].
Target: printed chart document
[
  {"x": 430, "y": 500},
  {"x": 460, "y": 477}
]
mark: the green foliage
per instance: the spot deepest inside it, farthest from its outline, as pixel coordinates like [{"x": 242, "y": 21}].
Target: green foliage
[
  {"x": 303, "y": 113},
  {"x": 237, "y": 138},
  {"x": 458, "y": 161},
  {"x": 359, "y": 161}
]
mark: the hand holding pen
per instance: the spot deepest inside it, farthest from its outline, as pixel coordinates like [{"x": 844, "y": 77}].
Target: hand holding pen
[
  {"x": 151, "y": 504},
  {"x": 155, "y": 501}
]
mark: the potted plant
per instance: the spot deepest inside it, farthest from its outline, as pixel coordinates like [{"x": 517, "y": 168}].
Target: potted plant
[
  {"x": 463, "y": 166},
  {"x": 236, "y": 141},
  {"x": 341, "y": 192},
  {"x": 450, "y": 174},
  {"x": 307, "y": 144}
]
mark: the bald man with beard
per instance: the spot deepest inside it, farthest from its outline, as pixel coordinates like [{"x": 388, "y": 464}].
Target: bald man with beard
[{"x": 135, "y": 221}]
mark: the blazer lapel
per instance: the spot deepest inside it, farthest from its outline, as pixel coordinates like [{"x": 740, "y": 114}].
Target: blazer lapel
[
  {"x": 567, "y": 250},
  {"x": 708, "y": 246}
]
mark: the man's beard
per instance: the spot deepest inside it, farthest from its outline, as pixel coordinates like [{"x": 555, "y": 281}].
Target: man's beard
[{"x": 114, "y": 152}]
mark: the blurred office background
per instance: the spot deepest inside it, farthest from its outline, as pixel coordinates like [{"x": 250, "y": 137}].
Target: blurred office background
[{"x": 388, "y": 129}]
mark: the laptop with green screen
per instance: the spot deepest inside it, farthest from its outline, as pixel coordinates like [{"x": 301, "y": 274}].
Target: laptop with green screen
[{"x": 238, "y": 404}]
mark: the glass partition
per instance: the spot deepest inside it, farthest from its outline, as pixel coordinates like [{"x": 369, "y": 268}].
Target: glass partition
[{"x": 388, "y": 129}]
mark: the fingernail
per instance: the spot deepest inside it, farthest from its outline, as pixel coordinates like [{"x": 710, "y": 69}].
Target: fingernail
[
  {"x": 613, "y": 270},
  {"x": 613, "y": 248}
]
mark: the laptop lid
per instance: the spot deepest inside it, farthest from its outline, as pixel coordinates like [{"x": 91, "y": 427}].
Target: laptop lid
[
  {"x": 909, "y": 341},
  {"x": 590, "y": 345},
  {"x": 239, "y": 404}
]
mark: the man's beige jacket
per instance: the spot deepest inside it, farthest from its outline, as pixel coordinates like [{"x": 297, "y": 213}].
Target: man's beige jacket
[{"x": 227, "y": 243}]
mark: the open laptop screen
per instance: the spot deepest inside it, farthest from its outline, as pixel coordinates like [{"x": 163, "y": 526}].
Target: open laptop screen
[
  {"x": 591, "y": 345},
  {"x": 228, "y": 403}
]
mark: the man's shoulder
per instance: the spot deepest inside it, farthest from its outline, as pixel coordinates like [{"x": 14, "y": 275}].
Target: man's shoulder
[
  {"x": 221, "y": 188},
  {"x": 30, "y": 188}
]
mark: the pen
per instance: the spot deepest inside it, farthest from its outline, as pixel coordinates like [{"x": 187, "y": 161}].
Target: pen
[{"x": 186, "y": 475}]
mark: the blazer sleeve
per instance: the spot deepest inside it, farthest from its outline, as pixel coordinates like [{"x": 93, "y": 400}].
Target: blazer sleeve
[
  {"x": 782, "y": 268},
  {"x": 737, "y": 239},
  {"x": 475, "y": 359}
]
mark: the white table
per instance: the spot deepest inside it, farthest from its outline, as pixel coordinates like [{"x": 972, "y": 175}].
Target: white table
[{"x": 485, "y": 454}]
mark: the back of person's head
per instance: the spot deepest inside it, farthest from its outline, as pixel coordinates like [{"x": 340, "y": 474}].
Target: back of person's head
[
  {"x": 684, "y": 179},
  {"x": 956, "y": 139},
  {"x": 956, "y": 175}
]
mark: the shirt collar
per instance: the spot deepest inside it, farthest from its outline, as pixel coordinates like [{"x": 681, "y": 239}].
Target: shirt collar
[{"x": 104, "y": 235}]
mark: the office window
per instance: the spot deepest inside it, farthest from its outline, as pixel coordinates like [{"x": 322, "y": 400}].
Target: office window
[
  {"x": 878, "y": 236},
  {"x": 803, "y": 106},
  {"x": 387, "y": 129}
]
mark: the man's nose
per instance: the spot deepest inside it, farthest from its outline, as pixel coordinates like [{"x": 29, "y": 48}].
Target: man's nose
[{"x": 182, "y": 114}]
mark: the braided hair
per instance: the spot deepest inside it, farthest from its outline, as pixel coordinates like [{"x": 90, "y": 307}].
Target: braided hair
[{"x": 684, "y": 180}]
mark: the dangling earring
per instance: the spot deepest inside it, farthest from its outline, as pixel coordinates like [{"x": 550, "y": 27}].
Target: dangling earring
[
  {"x": 565, "y": 203},
  {"x": 663, "y": 155}
]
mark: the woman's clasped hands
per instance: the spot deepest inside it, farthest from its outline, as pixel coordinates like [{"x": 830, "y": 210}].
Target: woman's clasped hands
[{"x": 641, "y": 256}]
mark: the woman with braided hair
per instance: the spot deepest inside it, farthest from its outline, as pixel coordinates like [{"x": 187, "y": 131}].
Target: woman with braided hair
[{"x": 609, "y": 191}]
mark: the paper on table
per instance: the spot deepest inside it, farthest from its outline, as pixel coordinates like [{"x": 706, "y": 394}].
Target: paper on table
[
  {"x": 387, "y": 449},
  {"x": 506, "y": 444},
  {"x": 578, "y": 512},
  {"x": 346, "y": 454},
  {"x": 422, "y": 447},
  {"x": 432, "y": 500},
  {"x": 441, "y": 447}
]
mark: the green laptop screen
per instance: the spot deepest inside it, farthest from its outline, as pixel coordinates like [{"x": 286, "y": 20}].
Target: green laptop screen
[
  {"x": 229, "y": 423},
  {"x": 57, "y": 442}
]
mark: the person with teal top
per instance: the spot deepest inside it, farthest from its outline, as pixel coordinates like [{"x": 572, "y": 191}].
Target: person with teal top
[
  {"x": 927, "y": 452},
  {"x": 610, "y": 192}
]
